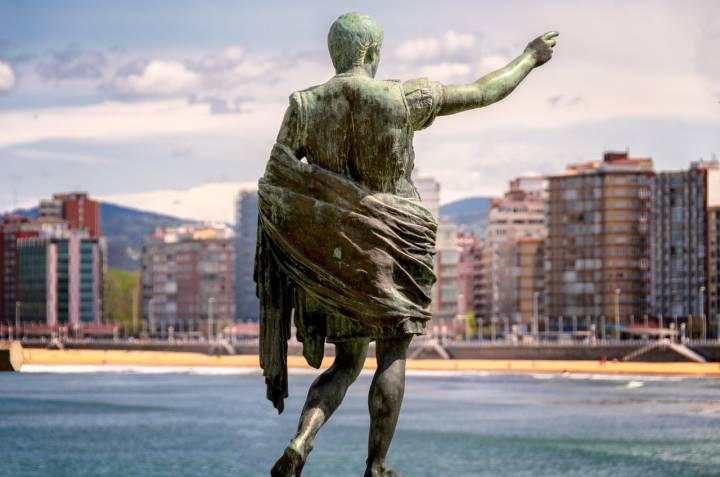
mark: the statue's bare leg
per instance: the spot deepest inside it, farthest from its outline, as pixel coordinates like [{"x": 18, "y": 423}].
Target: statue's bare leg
[
  {"x": 386, "y": 395},
  {"x": 324, "y": 396}
]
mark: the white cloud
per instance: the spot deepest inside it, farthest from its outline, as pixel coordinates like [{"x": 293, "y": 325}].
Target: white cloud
[
  {"x": 86, "y": 159},
  {"x": 230, "y": 57},
  {"x": 445, "y": 72},
  {"x": 72, "y": 62},
  {"x": 492, "y": 62},
  {"x": 212, "y": 202},
  {"x": 458, "y": 41},
  {"x": 158, "y": 77},
  {"x": 149, "y": 119},
  {"x": 419, "y": 48},
  {"x": 7, "y": 77},
  {"x": 431, "y": 47},
  {"x": 707, "y": 58}
]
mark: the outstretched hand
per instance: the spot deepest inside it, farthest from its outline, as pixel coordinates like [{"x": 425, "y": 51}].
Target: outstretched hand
[{"x": 542, "y": 47}]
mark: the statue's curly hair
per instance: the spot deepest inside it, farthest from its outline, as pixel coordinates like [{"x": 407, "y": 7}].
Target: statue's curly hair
[{"x": 350, "y": 38}]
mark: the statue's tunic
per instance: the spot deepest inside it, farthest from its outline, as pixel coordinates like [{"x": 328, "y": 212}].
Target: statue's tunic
[{"x": 343, "y": 240}]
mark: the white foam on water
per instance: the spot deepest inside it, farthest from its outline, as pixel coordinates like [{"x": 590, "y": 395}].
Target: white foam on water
[
  {"x": 633, "y": 385},
  {"x": 631, "y": 378},
  {"x": 124, "y": 369},
  {"x": 220, "y": 371},
  {"x": 430, "y": 374}
]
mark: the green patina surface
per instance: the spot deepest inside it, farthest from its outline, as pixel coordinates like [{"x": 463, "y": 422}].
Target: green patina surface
[{"x": 345, "y": 246}]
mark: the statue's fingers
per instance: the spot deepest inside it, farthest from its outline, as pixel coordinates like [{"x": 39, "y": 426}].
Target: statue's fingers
[
  {"x": 550, "y": 35},
  {"x": 551, "y": 43}
]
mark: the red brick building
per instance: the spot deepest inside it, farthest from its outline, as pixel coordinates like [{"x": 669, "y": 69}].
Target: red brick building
[{"x": 81, "y": 212}]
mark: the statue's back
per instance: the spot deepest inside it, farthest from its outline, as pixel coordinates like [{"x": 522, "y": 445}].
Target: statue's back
[{"x": 359, "y": 127}]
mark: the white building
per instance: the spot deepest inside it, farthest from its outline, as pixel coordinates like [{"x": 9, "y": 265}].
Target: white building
[
  {"x": 429, "y": 190},
  {"x": 519, "y": 214}
]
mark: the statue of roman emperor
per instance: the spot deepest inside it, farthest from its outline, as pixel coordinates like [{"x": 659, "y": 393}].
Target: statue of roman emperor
[{"x": 345, "y": 247}]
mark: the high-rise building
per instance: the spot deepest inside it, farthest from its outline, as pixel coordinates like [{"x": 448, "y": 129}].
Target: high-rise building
[
  {"x": 712, "y": 307},
  {"x": 188, "y": 278},
  {"x": 247, "y": 305},
  {"x": 470, "y": 264},
  {"x": 81, "y": 212},
  {"x": 598, "y": 243},
  {"x": 447, "y": 258},
  {"x": 12, "y": 229},
  {"x": 429, "y": 190},
  {"x": 60, "y": 280},
  {"x": 521, "y": 279},
  {"x": 519, "y": 214},
  {"x": 679, "y": 241}
]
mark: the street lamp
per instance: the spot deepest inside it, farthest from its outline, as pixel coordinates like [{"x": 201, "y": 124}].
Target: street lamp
[
  {"x": 560, "y": 328},
  {"x": 617, "y": 314},
  {"x": 702, "y": 312},
  {"x": 151, "y": 316},
  {"x": 17, "y": 319},
  {"x": 536, "y": 309},
  {"x": 211, "y": 306}
]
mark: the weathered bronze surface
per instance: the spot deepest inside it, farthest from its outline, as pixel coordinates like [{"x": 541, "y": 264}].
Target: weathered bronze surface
[{"x": 345, "y": 248}]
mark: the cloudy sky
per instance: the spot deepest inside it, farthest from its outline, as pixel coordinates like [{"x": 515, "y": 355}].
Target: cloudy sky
[{"x": 172, "y": 106}]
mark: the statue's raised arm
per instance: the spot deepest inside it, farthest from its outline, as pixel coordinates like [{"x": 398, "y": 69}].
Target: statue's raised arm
[{"x": 495, "y": 86}]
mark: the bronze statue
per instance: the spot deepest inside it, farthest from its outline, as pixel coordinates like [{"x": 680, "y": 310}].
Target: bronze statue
[{"x": 345, "y": 248}]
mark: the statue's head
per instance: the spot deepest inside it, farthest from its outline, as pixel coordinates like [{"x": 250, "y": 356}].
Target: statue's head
[{"x": 354, "y": 41}]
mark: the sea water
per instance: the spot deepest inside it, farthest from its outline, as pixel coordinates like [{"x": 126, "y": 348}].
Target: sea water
[{"x": 134, "y": 421}]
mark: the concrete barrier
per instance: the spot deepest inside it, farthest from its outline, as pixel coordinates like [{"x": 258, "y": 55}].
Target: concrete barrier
[{"x": 11, "y": 356}]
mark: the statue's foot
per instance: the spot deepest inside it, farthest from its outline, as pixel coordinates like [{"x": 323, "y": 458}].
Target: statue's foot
[
  {"x": 381, "y": 472},
  {"x": 290, "y": 464}
]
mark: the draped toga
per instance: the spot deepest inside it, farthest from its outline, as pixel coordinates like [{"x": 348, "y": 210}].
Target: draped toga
[{"x": 345, "y": 248}]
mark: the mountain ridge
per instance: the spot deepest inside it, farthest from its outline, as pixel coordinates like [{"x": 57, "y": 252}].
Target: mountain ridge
[{"x": 124, "y": 228}]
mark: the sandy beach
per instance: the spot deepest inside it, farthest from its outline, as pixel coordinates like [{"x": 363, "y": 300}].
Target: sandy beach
[{"x": 156, "y": 358}]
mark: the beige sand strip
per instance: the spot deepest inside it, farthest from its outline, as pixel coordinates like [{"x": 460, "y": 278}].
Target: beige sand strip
[{"x": 157, "y": 358}]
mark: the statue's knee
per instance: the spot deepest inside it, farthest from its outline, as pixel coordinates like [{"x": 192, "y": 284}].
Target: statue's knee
[
  {"x": 355, "y": 368},
  {"x": 349, "y": 368}
]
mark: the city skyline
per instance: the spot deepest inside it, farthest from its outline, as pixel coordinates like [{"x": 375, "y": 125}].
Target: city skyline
[
  {"x": 610, "y": 237},
  {"x": 139, "y": 112}
]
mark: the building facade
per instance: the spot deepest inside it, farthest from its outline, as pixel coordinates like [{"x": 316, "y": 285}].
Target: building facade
[
  {"x": 429, "y": 190},
  {"x": 13, "y": 229},
  {"x": 521, "y": 278},
  {"x": 60, "y": 280},
  {"x": 679, "y": 241},
  {"x": 447, "y": 260},
  {"x": 247, "y": 305},
  {"x": 470, "y": 272},
  {"x": 712, "y": 307},
  {"x": 80, "y": 211},
  {"x": 188, "y": 278},
  {"x": 519, "y": 214},
  {"x": 598, "y": 242}
]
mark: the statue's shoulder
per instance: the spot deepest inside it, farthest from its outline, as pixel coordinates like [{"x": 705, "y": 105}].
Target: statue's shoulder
[
  {"x": 345, "y": 85},
  {"x": 342, "y": 93}
]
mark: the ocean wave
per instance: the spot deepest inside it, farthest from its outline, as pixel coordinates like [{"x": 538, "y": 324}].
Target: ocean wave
[{"x": 629, "y": 378}]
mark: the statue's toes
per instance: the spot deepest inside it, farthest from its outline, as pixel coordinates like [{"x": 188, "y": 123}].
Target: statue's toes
[{"x": 390, "y": 473}]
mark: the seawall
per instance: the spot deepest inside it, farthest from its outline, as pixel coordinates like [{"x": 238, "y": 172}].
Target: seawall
[{"x": 11, "y": 356}]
